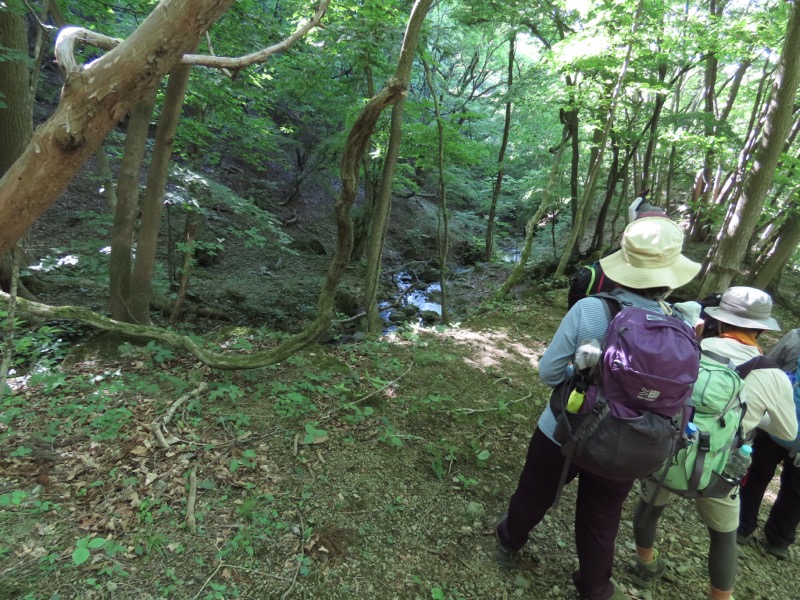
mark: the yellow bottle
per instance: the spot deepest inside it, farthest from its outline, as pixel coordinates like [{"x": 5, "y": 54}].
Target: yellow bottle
[{"x": 575, "y": 401}]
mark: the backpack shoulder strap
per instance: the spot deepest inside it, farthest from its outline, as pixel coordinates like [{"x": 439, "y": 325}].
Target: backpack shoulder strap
[
  {"x": 724, "y": 360},
  {"x": 611, "y": 302},
  {"x": 758, "y": 362}
]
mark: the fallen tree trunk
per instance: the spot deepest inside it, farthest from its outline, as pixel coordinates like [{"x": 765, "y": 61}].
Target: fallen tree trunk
[{"x": 211, "y": 358}]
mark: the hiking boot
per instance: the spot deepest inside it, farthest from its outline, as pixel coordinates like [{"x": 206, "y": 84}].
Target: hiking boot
[
  {"x": 776, "y": 551},
  {"x": 645, "y": 573},
  {"x": 744, "y": 540},
  {"x": 618, "y": 594},
  {"x": 506, "y": 557}
]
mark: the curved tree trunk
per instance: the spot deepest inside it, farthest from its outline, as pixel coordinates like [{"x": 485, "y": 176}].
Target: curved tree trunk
[
  {"x": 498, "y": 184},
  {"x": 363, "y": 221},
  {"x": 383, "y": 202},
  {"x": 742, "y": 218}
]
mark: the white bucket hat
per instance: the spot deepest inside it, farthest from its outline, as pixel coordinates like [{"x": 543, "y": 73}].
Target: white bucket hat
[
  {"x": 650, "y": 256},
  {"x": 746, "y": 307}
]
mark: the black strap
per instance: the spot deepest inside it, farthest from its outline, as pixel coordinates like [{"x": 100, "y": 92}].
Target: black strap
[
  {"x": 703, "y": 446},
  {"x": 577, "y": 441},
  {"x": 757, "y": 362}
]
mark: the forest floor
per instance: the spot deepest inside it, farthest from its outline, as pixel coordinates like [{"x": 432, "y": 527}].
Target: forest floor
[{"x": 352, "y": 470}]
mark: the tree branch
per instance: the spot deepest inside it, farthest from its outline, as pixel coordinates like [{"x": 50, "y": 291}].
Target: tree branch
[
  {"x": 68, "y": 37},
  {"x": 236, "y": 64}
]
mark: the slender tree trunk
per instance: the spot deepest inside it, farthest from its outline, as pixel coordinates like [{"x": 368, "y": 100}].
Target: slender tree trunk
[
  {"x": 153, "y": 202},
  {"x": 107, "y": 177},
  {"x": 780, "y": 252},
  {"x": 383, "y": 201},
  {"x": 188, "y": 240},
  {"x": 742, "y": 218},
  {"x": 652, "y": 140},
  {"x": 575, "y": 161},
  {"x": 498, "y": 184},
  {"x": 533, "y": 222},
  {"x": 611, "y": 186},
  {"x": 444, "y": 227},
  {"x": 585, "y": 204},
  {"x": 363, "y": 221},
  {"x": 119, "y": 268},
  {"x": 16, "y": 117}
]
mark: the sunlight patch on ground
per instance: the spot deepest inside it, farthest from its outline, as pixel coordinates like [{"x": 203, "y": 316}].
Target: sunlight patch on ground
[{"x": 492, "y": 348}]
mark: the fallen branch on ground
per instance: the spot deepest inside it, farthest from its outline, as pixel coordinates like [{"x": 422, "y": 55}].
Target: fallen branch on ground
[{"x": 190, "y": 522}]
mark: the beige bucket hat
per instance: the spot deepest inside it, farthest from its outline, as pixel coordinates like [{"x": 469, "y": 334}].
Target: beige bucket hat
[
  {"x": 650, "y": 256},
  {"x": 746, "y": 307}
]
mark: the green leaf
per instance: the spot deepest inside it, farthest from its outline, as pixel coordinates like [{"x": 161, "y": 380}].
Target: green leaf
[
  {"x": 234, "y": 465},
  {"x": 21, "y": 451},
  {"x": 97, "y": 542},
  {"x": 80, "y": 555}
]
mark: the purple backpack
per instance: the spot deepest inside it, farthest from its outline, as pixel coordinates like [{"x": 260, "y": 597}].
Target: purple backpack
[{"x": 629, "y": 422}]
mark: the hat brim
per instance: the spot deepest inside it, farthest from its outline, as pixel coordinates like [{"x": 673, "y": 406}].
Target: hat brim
[
  {"x": 720, "y": 314},
  {"x": 679, "y": 273}
]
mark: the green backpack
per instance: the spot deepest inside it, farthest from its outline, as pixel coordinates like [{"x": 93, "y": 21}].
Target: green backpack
[{"x": 696, "y": 469}]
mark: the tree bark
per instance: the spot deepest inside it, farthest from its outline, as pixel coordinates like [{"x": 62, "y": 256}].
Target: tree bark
[
  {"x": 779, "y": 253},
  {"x": 444, "y": 226},
  {"x": 533, "y": 222},
  {"x": 591, "y": 179},
  {"x": 128, "y": 209},
  {"x": 16, "y": 118},
  {"x": 742, "y": 217},
  {"x": 94, "y": 99},
  {"x": 498, "y": 184},
  {"x": 153, "y": 201},
  {"x": 383, "y": 201},
  {"x": 362, "y": 223}
]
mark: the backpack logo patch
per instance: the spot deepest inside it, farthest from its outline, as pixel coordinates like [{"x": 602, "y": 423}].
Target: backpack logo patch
[{"x": 648, "y": 395}]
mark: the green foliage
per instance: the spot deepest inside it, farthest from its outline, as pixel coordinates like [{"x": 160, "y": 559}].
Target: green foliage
[{"x": 36, "y": 348}]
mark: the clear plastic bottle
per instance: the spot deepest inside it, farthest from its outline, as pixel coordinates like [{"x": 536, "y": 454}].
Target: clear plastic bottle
[{"x": 738, "y": 463}]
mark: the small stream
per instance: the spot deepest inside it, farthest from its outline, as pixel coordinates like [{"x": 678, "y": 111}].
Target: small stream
[{"x": 417, "y": 305}]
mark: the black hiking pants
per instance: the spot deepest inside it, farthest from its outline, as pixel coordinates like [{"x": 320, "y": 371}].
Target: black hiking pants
[
  {"x": 597, "y": 513},
  {"x": 784, "y": 516}
]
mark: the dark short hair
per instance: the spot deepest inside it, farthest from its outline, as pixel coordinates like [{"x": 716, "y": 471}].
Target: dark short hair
[{"x": 653, "y": 293}]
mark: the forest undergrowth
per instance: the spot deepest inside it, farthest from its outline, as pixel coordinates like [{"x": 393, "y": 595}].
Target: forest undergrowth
[
  {"x": 369, "y": 470},
  {"x": 351, "y": 470}
]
